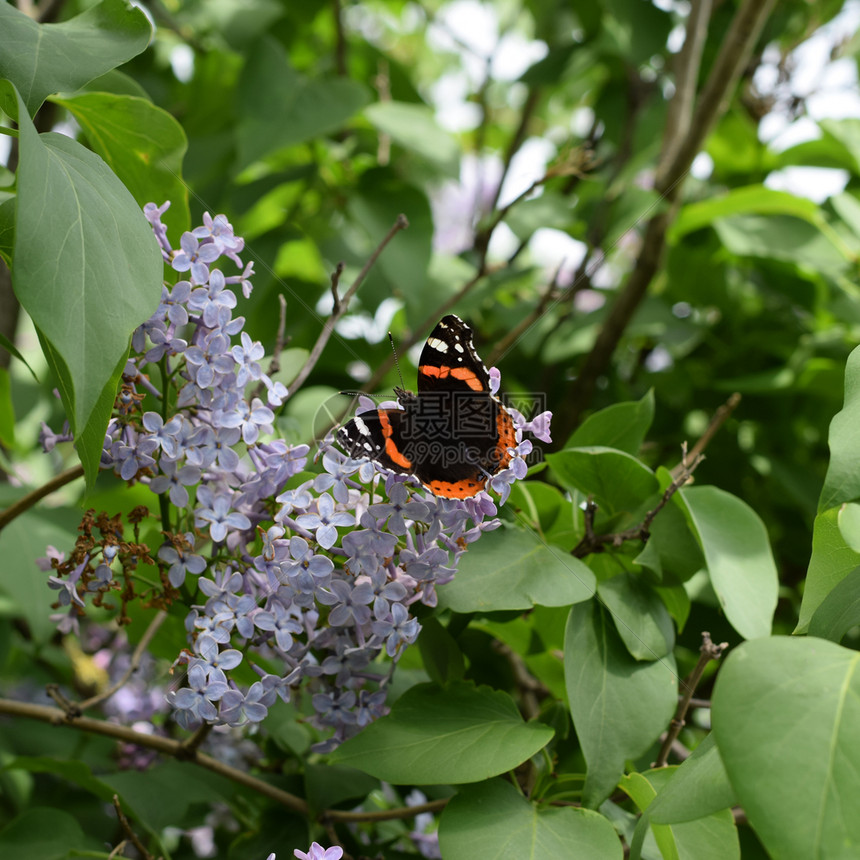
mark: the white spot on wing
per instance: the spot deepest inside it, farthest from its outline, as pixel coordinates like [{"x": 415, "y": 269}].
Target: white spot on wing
[{"x": 438, "y": 345}]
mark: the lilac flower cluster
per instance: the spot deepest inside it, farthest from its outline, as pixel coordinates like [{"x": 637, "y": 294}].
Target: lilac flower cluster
[{"x": 310, "y": 584}]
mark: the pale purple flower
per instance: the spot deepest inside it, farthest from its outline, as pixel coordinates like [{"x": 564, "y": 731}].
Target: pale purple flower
[{"x": 317, "y": 852}]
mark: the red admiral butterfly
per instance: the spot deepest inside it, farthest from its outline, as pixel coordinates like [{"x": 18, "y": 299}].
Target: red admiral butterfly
[{"x": 454, "y": 434}]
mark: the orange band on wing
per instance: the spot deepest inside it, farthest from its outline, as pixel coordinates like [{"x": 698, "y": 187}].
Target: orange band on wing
[
  {"x": 456, "y": 489},
  {"x": 461, "y": 373},
  {"x": 390, "y": 447}
]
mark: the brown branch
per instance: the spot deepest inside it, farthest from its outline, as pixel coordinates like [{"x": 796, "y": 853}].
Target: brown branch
[
  {"x": 340, "y": 40},
  {"x": 26, "y": 502},
  {"x": 127, "y": 829},
  {"x": 592, "y": 542},
  {"x": 167, "y": 746},
  {"x": 506, "y": 343},
  {"x": 680, "y": 110},
  {"x": 346, "y": 815},
  {"x": 180, "y": 751},
  {"x": 707, "y": 652},
  {"x": 341, "y": 306},
  {"x": 734, "y": 53},
  {"x": 717, "y": 420}
]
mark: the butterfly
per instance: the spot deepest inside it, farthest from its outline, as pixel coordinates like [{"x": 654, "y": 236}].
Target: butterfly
[{"x": 454, "y": 434}]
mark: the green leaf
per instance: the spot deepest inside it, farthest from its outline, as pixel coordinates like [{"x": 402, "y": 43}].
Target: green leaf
[
  {"x": 832, "y": 560},
  {"x": 640, "y": 617},
  {"x": 738, "y": 557},
  {"x": 839, "y": 611},
  {"x": 842, "y": 483},
  {"x": 786, "y": 715},
  {"x": 493, "y": 819},
  {"x": 672, "y": 553},
  {"x": 414, "y": 127},
  {"x": 713, "y": 837},
  {"x": 698, "y": 787},
  {"x": 88, "y": 271},
  {"x": 783, "y": 237},
  {"x": 143, "y": 145},
  {"x": 619, "y": 705},
  {"x": 621, "y": 426},
  {"x": 7, "y": 410},
  {"x": 12, "y": 349},
  {"x": 440, "y": 653},
  {"x": 169, "y": 789},
  {"x": 452, "y": 734},
  {"x": 380, "y": 199},
  {"x": 618, "y": 481},
  {"x": 328, "y": 785},
  {"x": 22, "y": 541},
  {"x": 40, "y": 59},
  {"x": 76, "y": 772},
  {"x": 278, "y": 107},
  {"x": 756, "y": 199},
  {"x": 849, "y": 524},
  {"x": 41, "y": 833},
  {"x": 515, "y": 569}
]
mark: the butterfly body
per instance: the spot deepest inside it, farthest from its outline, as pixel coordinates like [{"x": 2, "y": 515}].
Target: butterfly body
[{"x": 453, "y": 434}]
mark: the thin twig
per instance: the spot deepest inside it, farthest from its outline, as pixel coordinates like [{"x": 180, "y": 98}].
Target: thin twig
[
  {"x": 134, "y": 665},
  {"x": 346, "y": 815},
  {"x": 127, "y": 829},
  {"x": 502, "y": 347},
  {"x": 717, "y": 420},
  {"x": 592, "y": 542},
  {"x": 341, "y": 306},
  {"x": 275, "y": 363},
  {"x": 707, "y": 652},
  {"x": 27, "y": 502}
]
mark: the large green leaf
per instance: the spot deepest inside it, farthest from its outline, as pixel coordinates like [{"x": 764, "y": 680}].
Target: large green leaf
[
  {"x": 414, "y": 127},
  {"x": 839, "y": 611},
  {"x": 494, "y": 820},
  {"x": 640, "y": 616},
  {"x": 40, "y": 59},
  {"x": 516, "y": 569},
  {"x": 453, "y": 734},
  {"x": 738, "y": 557},
  {"x": 619, "y": 705},
  {"x": 143, "y": 145},
  {"x": 22, "y": 541},
  {"x": 832, "y": 560},
  {"x": 842, "y": 483},
  {"x": 756, "y": 199},
  {"x": 712, "y": 837},
  {"x": 786, "y": 715},
  {"x": 698, "y": 787},
  {"x": 41, "y": 833},
  {"x": 278, "y": 107},
  {"x": 77, "y": 772},
  {"x": 617, "y": 480},
  {"x": 87, "y": 269},
  {"x": 621, "y": 426},
  {"x": 168, "y": 790},
  {"x": 786, "y": 238}
]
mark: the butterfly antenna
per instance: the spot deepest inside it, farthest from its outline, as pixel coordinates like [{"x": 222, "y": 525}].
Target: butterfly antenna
[{"x": 396, "y": 362}]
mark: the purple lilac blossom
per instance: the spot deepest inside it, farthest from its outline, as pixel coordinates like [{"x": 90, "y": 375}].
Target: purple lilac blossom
[{"x": 317, "y": 578}]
